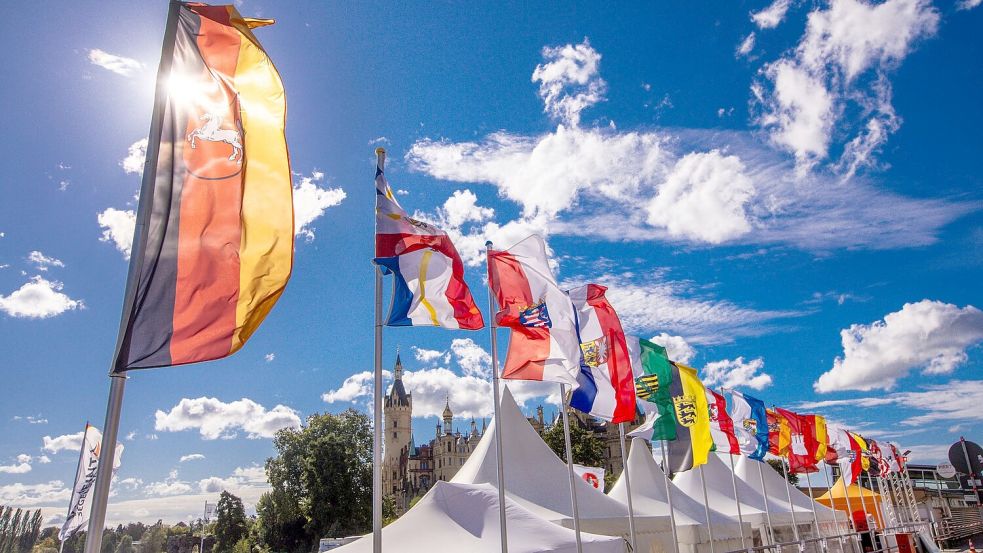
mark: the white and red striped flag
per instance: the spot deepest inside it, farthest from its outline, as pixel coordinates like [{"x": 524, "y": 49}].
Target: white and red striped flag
[
  {"x": 543, "y": 343},
  {"x": 721, "y": 425}
]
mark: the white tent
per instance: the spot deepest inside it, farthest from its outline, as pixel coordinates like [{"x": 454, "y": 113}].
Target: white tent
[
  {"x": 464, "y": 517},
  {"x": 720, "y": 494},
  {"x": 538, "y": 480},
  {"x": 747, "y": 470},
  {"x": 648, "y": 494}
]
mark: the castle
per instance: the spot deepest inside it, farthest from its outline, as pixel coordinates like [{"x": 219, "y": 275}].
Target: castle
[{"x": 409, "y": 470}]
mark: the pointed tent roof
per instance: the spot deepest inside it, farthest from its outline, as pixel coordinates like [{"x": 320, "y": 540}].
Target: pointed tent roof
[
  {"x": 648, "y": 494},
  {"x": 861, "y": 499},
  {"x": 720, "y": 493},
  {"x": 775, "y": 488},
  {"x": 464, "y": 517}
]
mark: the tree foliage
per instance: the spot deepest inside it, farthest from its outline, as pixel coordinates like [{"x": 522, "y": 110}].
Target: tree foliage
[
  {"x": 230, "y": 522},
  {"x": 778, "y": 464},
  {"x": 154, "y": 539},
  {"x": 588, "y": 449},
  {"x": 19, "y": 529}
]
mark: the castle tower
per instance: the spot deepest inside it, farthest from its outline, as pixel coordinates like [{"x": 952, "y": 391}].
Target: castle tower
[
  {"x": 398, "y": 434},
  {"x": 448, "y": 417}
]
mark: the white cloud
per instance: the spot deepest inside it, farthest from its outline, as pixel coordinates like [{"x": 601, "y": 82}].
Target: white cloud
[
  {"x": 29, "y": 495},
  {"x": 118, "y": 227},
  {"x": 429, "y": 355},
  {"x": 472, "y": 358},
  {"x": 191, "y": 457},
  {"x": 703, "y": 199},
  {"x": 676, "y": 347},
  {"x": 111, "y": 62},
  {"x": 311, "y": 201},
  {"x": 43, "y": 459},
  {"x": 65, "y": 442},
  {"x": 131, "y": 483},
  {"x": 461, "y": 207},
  {"x": 568, "y": 81},
  {"x": 38, "y": 299},
  {"x": 736, "y": 373},
  {"x": 20, "y": 466},
  {"x": 169, "y": 486},
  {"x": 772, "y": 16},
  {"x": 136, "y": 155},
  {"x": 130, "y": 436},
  {"x": 42, "y": 262},
  {"x": 967, "y": 4},
  {"x": 270, "y": 357},
  {"x": 354, "y": 387},
  {"x": 744, "y": 48},
  {"x": 216, "y": 419},
  {"x": 822, "y": 84},
  {"x": 928, "y": 335},
  {"x": 31, "y": 419}
]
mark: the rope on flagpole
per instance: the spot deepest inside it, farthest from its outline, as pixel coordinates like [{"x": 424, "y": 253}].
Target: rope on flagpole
[
  {"x": 631, "y": 507},
  {"x": 569, "y": 449},
  {"x": 498, "y": 419},
  {"x": 672, "y": 512},
  {"x": 377, "y": 399}
]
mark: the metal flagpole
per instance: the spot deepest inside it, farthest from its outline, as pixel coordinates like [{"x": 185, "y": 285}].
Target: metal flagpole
[
  {"x": 849, "y": 507},
  {"x": 791, "y": 507},
  {"x": 498, "y": 419},
  {"x": 761, "y": 475},
  {"x": 110, "y": 430},
  {"x": 737, "y": 498},
  {"x": 377, "y": 400},
  {"x": 877, "y": 508},
  {"x": 706, "y": 506},
  {"x": 815, "y": 516},
  {"x": 569, "y": 449},
  {"x": 631, "y": 508},
  {"x": 829, "y": 489},
  {"x": 672, "y": 512},
  {"x": 969, "y": 467}
]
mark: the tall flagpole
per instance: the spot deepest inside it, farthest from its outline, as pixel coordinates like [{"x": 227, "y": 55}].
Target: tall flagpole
[
  {"x": 791, "y": 507},
  {"x": 815, "y": 515},
  {"x": 737, "y": 498},
  {"x": 829, "y": 489},
  {"x": 761, "y": 475},
  {"x": 569, "y": 449},
  {"x": 110, "y": 430},
  {"x": 706, "y": 506},
  {"x": 498, "y": 419},
  {"x": 377, "y": 399},
  {"x": 849, "y": 507},
  {"x": 631, "y": 507},
  {"x": 877, "y": 509},
  {"x": 672, "y": 512}
]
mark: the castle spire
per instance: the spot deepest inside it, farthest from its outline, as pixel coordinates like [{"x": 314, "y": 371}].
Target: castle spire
[
  {"x": 398, "y": 369},
  {"x": 448, "y": 416}
]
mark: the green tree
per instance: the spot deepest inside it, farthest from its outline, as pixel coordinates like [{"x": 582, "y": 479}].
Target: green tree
[
  {"x": 154, "y": 539},
  {"x": 230, "y": 522},
  {"x": 777, "y": 464},
  {"x": 125, "y": 544},
  {"x": 588, "y": 449}
]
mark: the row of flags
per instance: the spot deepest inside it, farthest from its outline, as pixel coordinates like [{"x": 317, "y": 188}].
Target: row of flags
[{"x": 575, "y": 337}]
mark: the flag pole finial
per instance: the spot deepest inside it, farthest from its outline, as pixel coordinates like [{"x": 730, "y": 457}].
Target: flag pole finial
[{"x": 380, "y": 151}]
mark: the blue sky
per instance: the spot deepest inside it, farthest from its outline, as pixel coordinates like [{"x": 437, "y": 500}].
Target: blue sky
[{"x": 786, "y": 194}]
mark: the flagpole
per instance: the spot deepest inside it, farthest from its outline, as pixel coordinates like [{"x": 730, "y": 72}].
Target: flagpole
[
  {"x": 110, "y": 430},
  {"x": 706, "y": 506},
  {"x": 761, "y": 475},
  {"x": 672, "y": 512},
  {"x": 877, "y": 508},
  {"x": 815, "y": 516},
  {"x": 377, "y": 399},
  {"x": 849, "y": 507},
  {"x": 569, "y": 449},
  {"x": 791, "y": 507},
  {"x": 631, "y": 508},
  {"x": 71, "y": 500},
  {"x": 737, "y": 498},
  {"x": 829, "y": 489},
  {"x": 493, "y": 328}
]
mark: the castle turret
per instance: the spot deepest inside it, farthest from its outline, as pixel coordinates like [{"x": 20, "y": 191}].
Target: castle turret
[
  {"x": 398, "y": 414},
  {"x": 448, "y": 417}
]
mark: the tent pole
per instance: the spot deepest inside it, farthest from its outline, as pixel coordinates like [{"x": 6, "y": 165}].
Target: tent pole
[
  {"x": 631, "y": 508},
  {"x": 788, "y": 490},
  {"x": 737, "y": 499},
  {"x": 569, "y": 449},
  {"x": 764, "y": 489},
  {"x": 672, "y": 512},
  {"x": 706, "y": 506},
  {"x": 493, "y": 328}
]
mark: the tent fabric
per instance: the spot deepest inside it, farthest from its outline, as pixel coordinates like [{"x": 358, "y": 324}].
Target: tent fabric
[
  {"x": 836, "y": 499},
  {"x": 648, "y": 493},
  {"x": 465, "y": 517}
]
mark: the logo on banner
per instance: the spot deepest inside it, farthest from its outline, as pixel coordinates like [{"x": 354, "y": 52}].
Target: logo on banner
[
  {"x": 535, "y": 316},
  {"x": 592, "y": 479},
  {"x": 646, "y": 386},
  {"x": 751, "y": 425},
  {"x": 798, "y": 444},
  {"x": 595, "y": 352},
  {"x": 685, "y": 410}
]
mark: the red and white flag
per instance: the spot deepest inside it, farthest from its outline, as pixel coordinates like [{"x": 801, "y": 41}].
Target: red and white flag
[
  {"x": 848, "y": 453},
  {"x": 607, "y": 385},
  {"x": 543, "y": 343},
  {"x": 594, "y": 476},
  {"x": 721, "y": 425}
]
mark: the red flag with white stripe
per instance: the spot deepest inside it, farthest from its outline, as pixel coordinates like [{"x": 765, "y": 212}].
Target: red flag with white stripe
[{"x": 721, "y": 425}]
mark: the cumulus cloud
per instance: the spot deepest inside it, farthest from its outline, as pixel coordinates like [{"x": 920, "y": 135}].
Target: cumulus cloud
[
  {"x": 169, "y": 486},
  {"x": 771, "y": 16},
  {"x": 840, "y": 68},
  {"x": 191, "y": 457},
  {"x": 677, "y": 348},
  {"x": 736, "y": 373},
  {"x": 929, "y": 335},
  {"x": 568, "y": 81},
  {"x": 356, "y": 386},
  {"x": 65, "y": 442},
  {"x": 472, "y": 358},
  {"x": 111, "y": 62},
  {"x": 215, "y": 419},
  {"x": 131, "y": 483},
  {"x": 21, "y": 465},
  {"x": 117, "y": 228},
  {"x": 957, "y": 400},
  {"x": 744, "y": 48},
  {"x": 43, "y": 262},
  {"x": 38, "y": 299},
  {"x": 311, "y": 201},
  {"x": 136, "y": 155},
  {"x": 429, "y": 355},
  {"x": 30, "y": 495}
]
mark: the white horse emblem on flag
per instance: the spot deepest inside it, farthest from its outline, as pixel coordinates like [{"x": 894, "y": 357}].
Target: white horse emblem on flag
[{"x": 211, "y": 131}]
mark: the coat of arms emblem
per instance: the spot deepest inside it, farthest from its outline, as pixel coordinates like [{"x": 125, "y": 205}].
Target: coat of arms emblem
[
  {"x": 685, "y": 410},
  {"x": 535, "y": 316},
  {"x": 595, "y": 352}
]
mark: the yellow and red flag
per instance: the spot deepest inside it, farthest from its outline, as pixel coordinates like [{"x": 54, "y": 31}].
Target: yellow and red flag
[
  {"x": 214, "y": 244},
  {"x": 778, "y": 433}
]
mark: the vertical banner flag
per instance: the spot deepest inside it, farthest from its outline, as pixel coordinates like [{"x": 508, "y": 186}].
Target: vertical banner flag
[
  {"x": 594, "y": 476},
  {"x": 848, "y": 454},
  {"x": 721, "y": 425},
  {"x": 606, "y": 385},
  {"x": 778, "y": 433},
  {"x": 802, "y": 442},
  {"x": 543, "y": 344},
  {"x": 883, "y": 467},
  {"x": 652, "y": 386},
  {"x": 690, "y": 415},
  {"x": 217, "y": 231},
  {"x": 79, "y": 506},
  {"x": 750, "y": 424},
  {"x": 820, "y": 434},
  {"x": 428, "y": 274}
]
